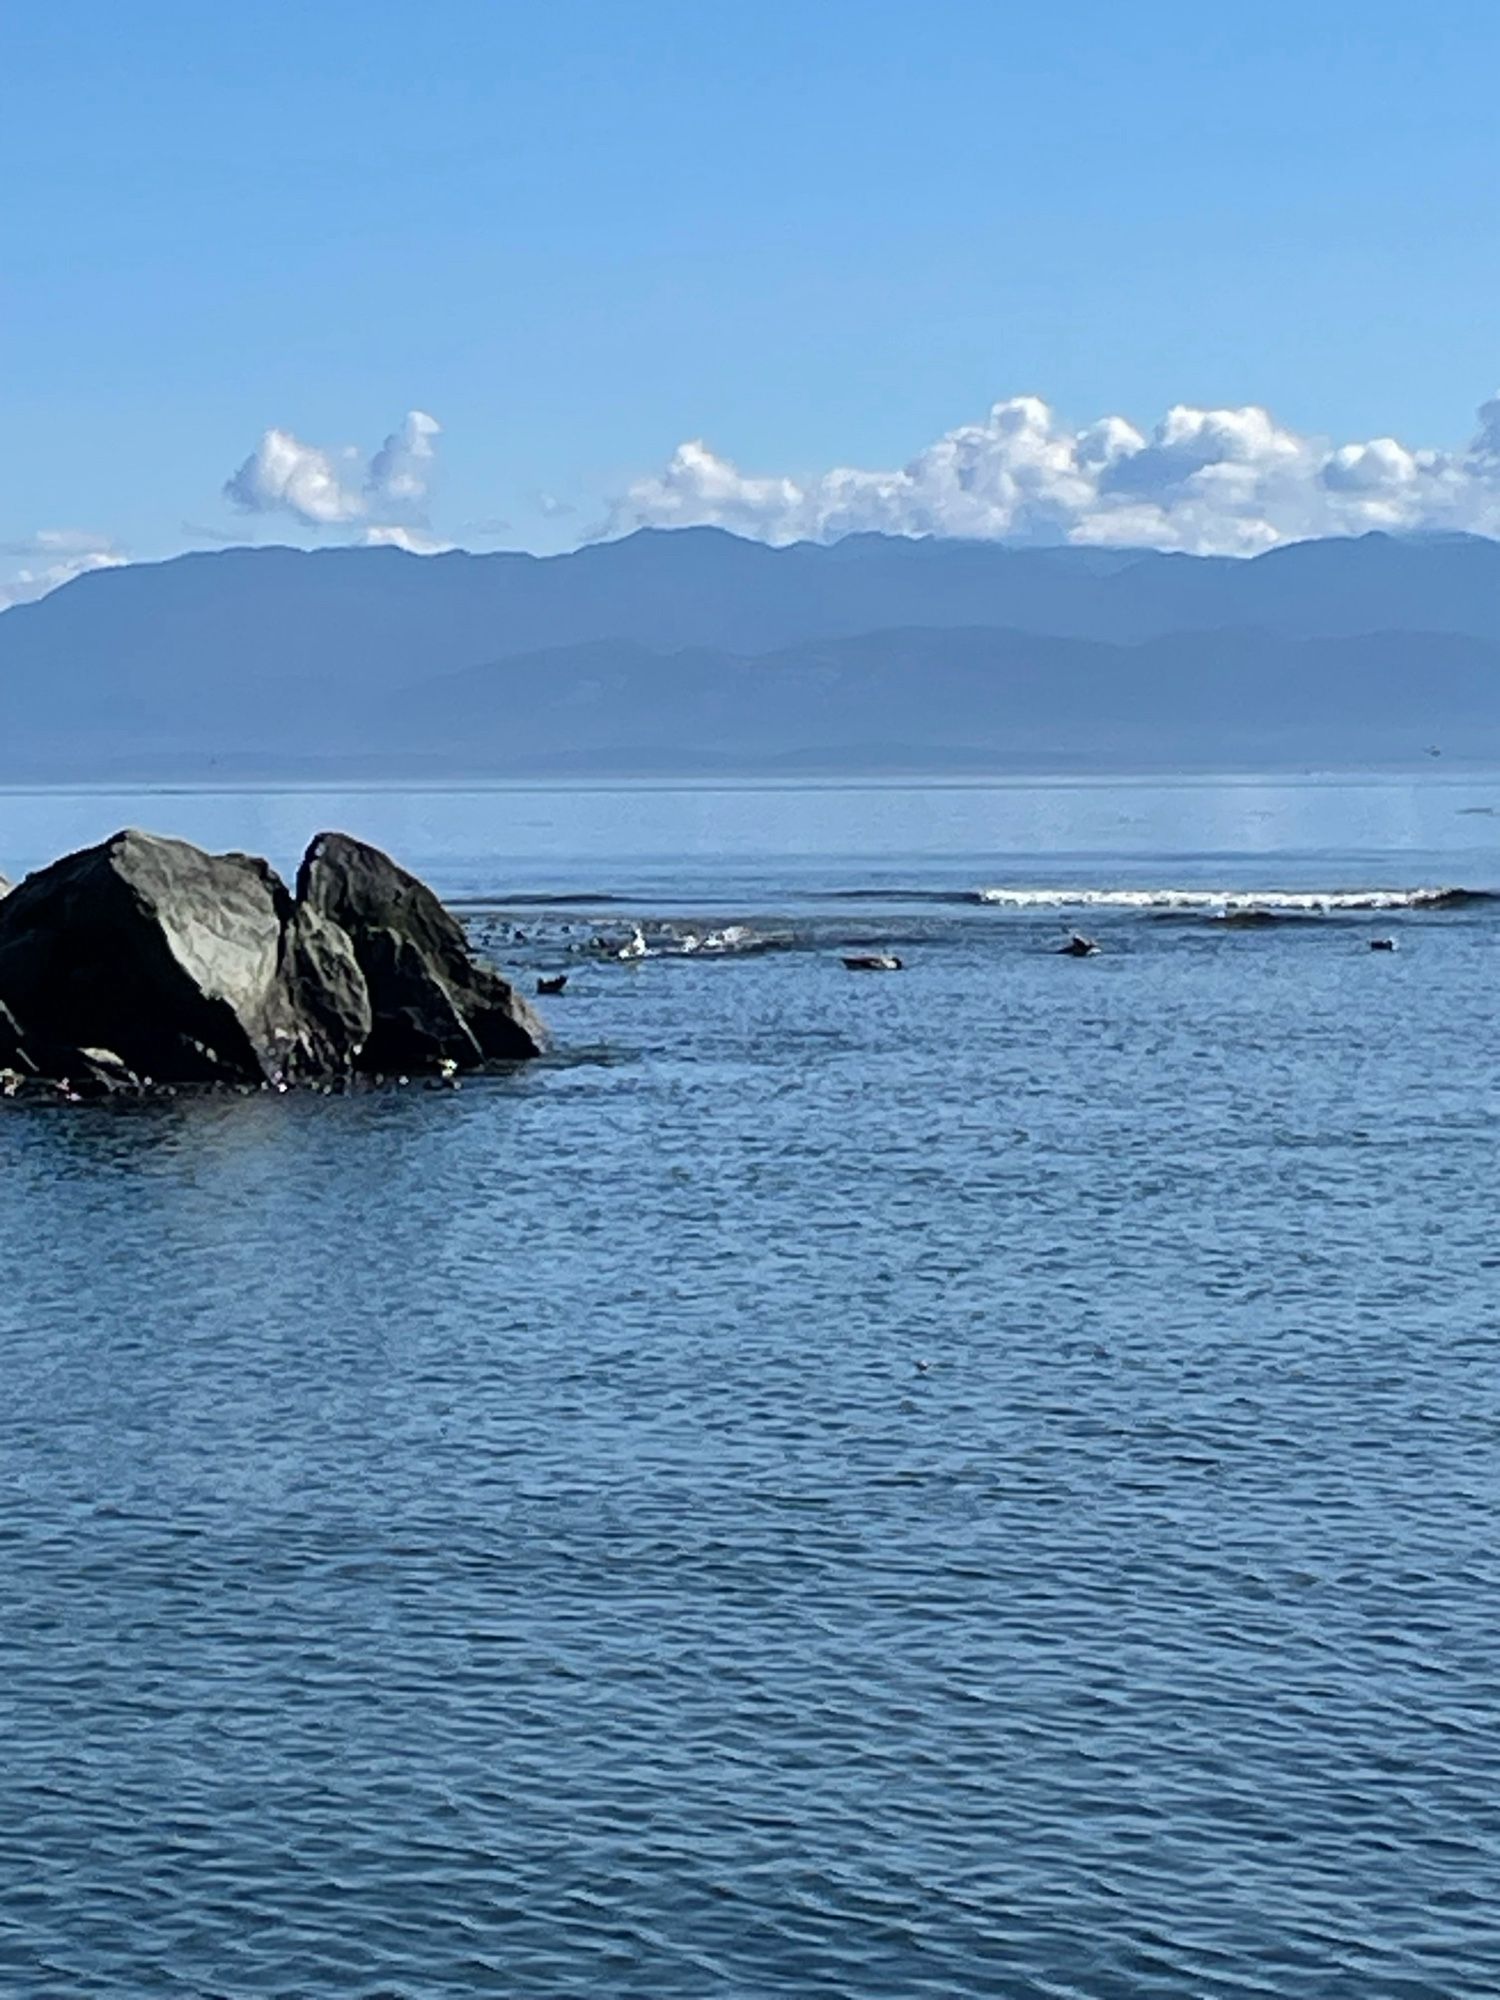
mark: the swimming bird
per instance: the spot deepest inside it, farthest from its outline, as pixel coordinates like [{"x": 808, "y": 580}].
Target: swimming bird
[
  {"x": 553, "y": 984},
  {"x": 1382, "y": 944},
  {"x": 1077, "y": 946},
  {"x": 875, "y": 961}
]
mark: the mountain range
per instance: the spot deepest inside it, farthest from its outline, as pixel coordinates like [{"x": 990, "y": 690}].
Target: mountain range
[{"x": 674, "y": 651}]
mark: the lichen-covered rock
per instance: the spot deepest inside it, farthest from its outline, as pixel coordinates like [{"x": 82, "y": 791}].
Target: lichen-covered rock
[{"x": 431, "y": 1000}]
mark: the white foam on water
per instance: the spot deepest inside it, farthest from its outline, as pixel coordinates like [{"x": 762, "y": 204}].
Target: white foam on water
[
  {"x": 723, "y": 943},
  {"x": 1213, "y": 902}
]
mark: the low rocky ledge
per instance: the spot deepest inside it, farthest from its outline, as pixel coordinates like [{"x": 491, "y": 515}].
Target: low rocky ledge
[{"x": 145, "y": 964}]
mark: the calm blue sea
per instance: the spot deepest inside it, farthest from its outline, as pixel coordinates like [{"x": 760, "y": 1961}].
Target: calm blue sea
[{"x": 978, "y": 1482}]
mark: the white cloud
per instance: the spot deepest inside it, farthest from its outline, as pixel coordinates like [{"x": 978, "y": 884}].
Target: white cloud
[
  {"x": 284, "y": 475},
  {"x": 1371, "y": 468},
  {"x": 398, "y": 473},
  {"x": 414, "y": 540},
  {"x": 1231, "y": 481},
  {"x": 54, "y": 556},
  {"x": 326, "y": 488}
]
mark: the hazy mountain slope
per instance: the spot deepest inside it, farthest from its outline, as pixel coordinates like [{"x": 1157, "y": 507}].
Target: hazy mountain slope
[
  {"x": 229, "y": 632},
  {"x": 695, "y": 645},
  {"x": 1329, "y": 589},
  {"x": 968, "y": 697}
]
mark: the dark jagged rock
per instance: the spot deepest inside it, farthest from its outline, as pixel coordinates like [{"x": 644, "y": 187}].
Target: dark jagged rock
[
  {"x": 145, "y": 960},
  {"x": 432, "y": 1002},
  {"x": 100, "y": 1073}
]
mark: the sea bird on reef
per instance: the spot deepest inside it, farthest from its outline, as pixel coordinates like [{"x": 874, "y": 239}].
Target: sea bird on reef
[
  {"x": 553, "y": 983},
  {"x": 447, "y": 1075}
]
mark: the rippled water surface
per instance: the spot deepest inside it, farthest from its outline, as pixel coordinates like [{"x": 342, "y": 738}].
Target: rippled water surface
[{"x": 974, "y": 1482}]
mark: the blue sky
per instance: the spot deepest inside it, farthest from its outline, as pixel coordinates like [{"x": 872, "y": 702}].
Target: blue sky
[{"x": 813, "y": 235}]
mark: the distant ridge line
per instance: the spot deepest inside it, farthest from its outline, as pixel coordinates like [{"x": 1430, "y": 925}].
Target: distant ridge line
[{"x": 693, "y": 650}]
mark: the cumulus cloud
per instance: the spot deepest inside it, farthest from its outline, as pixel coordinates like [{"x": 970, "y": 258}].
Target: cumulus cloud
[
  {"x": 1222, "y": 482},
  {"x": 399, "y": 471},
  {"x": 284, "y": 475},
  {"x": 326, "y": 488},
  {"x": 55, "y": 555}
]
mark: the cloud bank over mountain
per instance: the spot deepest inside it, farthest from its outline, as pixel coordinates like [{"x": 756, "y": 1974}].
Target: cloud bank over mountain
[
  {"x": 325, "y": 488},
  {"x": 49, "y": 558},
  {"x": 1203, "y": 481},
  {"x": 1211, "y": 482}
]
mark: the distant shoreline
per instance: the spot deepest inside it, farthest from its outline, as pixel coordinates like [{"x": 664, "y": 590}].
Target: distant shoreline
[{"x": 321, "y": 776}]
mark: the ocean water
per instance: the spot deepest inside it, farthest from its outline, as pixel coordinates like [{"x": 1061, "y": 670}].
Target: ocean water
[{"x": 982, "y": 1481}]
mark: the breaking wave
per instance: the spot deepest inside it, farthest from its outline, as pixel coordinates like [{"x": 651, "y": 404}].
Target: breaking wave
[{"x": 1234, "y": 902}]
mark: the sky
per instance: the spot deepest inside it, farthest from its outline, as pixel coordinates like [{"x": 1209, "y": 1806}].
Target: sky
[{"x": 511, "y": 275}]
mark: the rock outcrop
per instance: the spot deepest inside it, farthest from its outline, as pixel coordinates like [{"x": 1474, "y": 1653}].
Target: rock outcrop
[
  {"x": 432, "y": 1002},
  {"x": 145, "y": 960}
]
